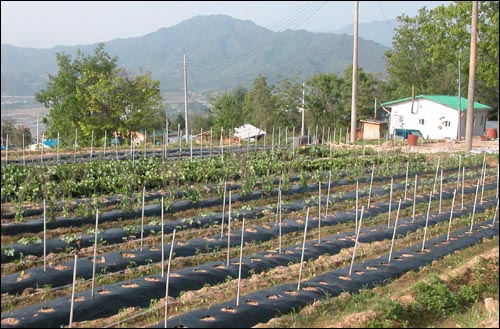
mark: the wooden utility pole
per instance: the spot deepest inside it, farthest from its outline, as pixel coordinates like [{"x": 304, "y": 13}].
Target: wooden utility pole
[
  {"x": 185, "y": 99},
  {"x": 354, "y": 76},
  {"x": 469, "y": 129}
]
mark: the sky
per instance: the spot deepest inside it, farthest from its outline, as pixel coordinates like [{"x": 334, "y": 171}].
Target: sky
[{"x": 46, "y": 24}]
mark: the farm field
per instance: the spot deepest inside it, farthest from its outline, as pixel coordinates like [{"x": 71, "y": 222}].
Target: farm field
[{"x": 315, "y": 236}]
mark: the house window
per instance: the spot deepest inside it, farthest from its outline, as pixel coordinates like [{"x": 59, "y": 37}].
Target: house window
[
  {"x": 447, "y": 123},
  {"x": 481, "y": 120},
  {"x": 421, "y": 121}
]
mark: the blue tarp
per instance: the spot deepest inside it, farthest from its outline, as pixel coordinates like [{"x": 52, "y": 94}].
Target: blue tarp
[{"x": 51, "y": 142}]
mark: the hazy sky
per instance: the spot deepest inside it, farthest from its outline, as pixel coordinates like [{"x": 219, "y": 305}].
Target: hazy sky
[{"x": 46, "y": 24}]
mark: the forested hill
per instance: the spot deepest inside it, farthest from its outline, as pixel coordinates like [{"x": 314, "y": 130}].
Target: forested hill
[{"x": 222, "y": 52}]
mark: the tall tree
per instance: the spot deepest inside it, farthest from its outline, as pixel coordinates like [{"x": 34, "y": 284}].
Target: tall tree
[
  {"x": 15, "y": 133},
  {"x": 92, "y": 94},
  {"x": 259, "y": 104},
  {"x": 323, "y": 101},
  {"x": 288, "y": 99},
  {"x": 426, "y": 50},
  {"x": 228, "y": 111}
]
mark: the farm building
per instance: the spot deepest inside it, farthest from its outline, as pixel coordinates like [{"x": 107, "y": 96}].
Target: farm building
[
  {"x": 248, "y": 132},
  {"x": 435, "y": 116}
]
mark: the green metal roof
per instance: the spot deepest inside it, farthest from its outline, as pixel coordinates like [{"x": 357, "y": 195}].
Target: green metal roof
[{"x": 449, "y": 101}]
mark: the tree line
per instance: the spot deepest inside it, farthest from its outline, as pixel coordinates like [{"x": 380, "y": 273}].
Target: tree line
[{"x": 91, "y": 94}]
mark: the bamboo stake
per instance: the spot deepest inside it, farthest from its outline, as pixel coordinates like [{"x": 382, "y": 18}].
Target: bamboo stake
[
  {"x": 390, "y": 204},
  {"x": 474, "y": 208},
  {"x": 223, "y": 207},
  {"x": 303, "y": 248},
  {"x": 441, "y": 191},
  {"x": 394, "y": 232},
  {"x": 319, "y": 212},
  {"x": 458, "y": 173},
  {"x": 463, "y": 181},
  {"x": 414, "y": 198},
  {"x": 142, "y": 217},
  {"x": 241, "y": 260},
  {"x": 73, "y": 293},
  {"x": 95, "y": 251},
  {"x": 406, "y": 180},
  {"x": 451, "y": 215},
  {"x": 229, "y": 230},
  {"x": 371, "y": 183},
  {"x": 427, "y": 220},
  {"x": 328, "y": 193},
  {"x": 168, "y": 276},
  {"x": 356, "y": 241},
  {"x": 483, "y": 181},
  {"x": 44, "y": 237},
  {"x": 495, "y": 215},
  {"x": 162, "y": 241},
  {"x": 279, "y": 225},
  {"x": 435, "y": 177},
  {"x": 356, "y": 211}
]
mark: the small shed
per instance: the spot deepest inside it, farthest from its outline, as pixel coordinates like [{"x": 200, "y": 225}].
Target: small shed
[
  {"x": 248, "y": 132},
  {"x": 373, "y": 129}
]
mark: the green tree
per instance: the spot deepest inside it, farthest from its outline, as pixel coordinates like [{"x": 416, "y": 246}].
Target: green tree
[
  {"x": 15, "y": 133},
  {"x": 288, "y": 100},
  {"x": 323, "y": 101},
  {"x": 92, "y": 94},
  {"x": 259, "y": 104},
  {"x": 228, "y": 111},
  {"x": 426, "y": 50}
]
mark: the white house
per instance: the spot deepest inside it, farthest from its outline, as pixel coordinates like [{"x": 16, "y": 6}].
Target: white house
[
  {"x": 436, "y": 116},
  {"x": 248, "y": 132}
]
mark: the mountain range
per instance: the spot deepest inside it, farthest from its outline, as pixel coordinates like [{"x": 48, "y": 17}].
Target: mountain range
[{"x": 222, "y": 53}]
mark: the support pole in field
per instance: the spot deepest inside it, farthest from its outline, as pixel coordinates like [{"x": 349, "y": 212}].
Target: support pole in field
[
  {"x": 440, "y": 191},
  {"x": 371, "y": 184},
  {"x": 390, "y": 203},
  {"x": 162, "y": 241},
  {"x": 394, "y": 233},
  {"x": 142, "y": 216},
  {"x": 356, "y": 210},
  {"x": 463, "y": 185},
  {"x": 168, "y": 276},
  {"x": 334, "y": 133},
  {"x": 279, "y": 201},
  {"x": 223, "y": 208},
  {"x": 406, "y": 180},
  {"x": 95, "y": 251},
  {"x": 303, "y": 248},
  {"x": 356, "y": 241},
  {"x": 483, "y": 181},
  {"x": 414, "y": 198},
  {"x": 436, "y": 176},
  {"x": 451, "y": 214},
  {"x": 73, "y": 293},
  {"x": 495, "y": 215},
  {"x": 44, "y": 236},
  {"x": 458, "y": 173},
  {"x": 191, "y": 146},
  {"x": 228, "y": 230},
  {"x": 222, "y": 143},
  {"x": 241, "y": 261},
  {"x": 427, "y": 220},
  {"x": 474, "y": 208},
  {"x": 279, "y": 223},
  {"x": 319, "y": 212},
  {"x": 328, "y": 193}
]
